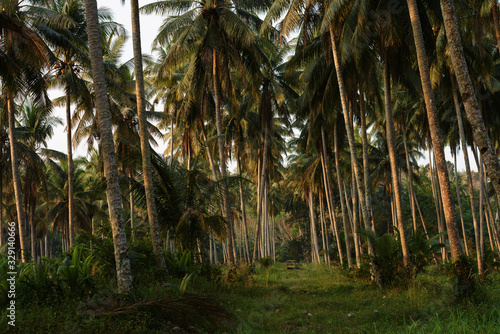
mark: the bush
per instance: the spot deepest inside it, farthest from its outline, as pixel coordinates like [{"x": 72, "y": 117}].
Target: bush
[
  {"x": 237, "y": 273},
  {"x": 462, "y": 272}
]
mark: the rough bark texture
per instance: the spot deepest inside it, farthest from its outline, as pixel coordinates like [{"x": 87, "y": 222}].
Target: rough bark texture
[
  {"x": 123, "y": 270},
  {"x": 144, "y": 135},
  {"x": 468, "y": 96},
  {"x": 391, "y": 146},
  {"x": 437, "y": 140},
  {"x": 71, "y": 227},
  {"x": 494, "y": 12},
  {"x": 16, "y": 181}
]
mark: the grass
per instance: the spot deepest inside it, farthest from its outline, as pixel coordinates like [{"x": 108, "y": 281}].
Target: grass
[{"x": 314, "y": 299}]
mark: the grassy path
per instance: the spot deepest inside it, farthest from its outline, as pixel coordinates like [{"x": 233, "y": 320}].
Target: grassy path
[{"x": 321, "y": 300}]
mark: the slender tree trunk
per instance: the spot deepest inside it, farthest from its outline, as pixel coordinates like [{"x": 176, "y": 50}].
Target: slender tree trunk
[
  {"x": 410, "y": 182},
  {"x": 391, "y": 145},
  {"x": 131, "y": 200},
  {"x": 341, "y": 198},
  {"x": 328, "y": 194},
  {"x": 437, "y": 140},
  {"x": 16, "y": 180},
  {"x": 354, "y": 159},
  {"x": 420, "y": 213},
  {"x": 468, "y": 97},
  {"x": 147, "y": 169},
  {"x": 123, "y": 270},
  {"x": 70, "y": 168},
  {"x": 314, "y": 239},
  {"x": 366, "y": 165},
  {"x": 243, "y": 215},
  {"x": 460, "y": 203},
  {"x": 468, "y": 172}
]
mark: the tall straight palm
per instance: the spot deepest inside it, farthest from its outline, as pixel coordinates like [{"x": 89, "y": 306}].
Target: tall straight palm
[
  {"x": 144, "y": 137},
  {"x": 123, "y": 270},
  {"x": 437, "y": 140},
  {"x": 470, "y": 102}
]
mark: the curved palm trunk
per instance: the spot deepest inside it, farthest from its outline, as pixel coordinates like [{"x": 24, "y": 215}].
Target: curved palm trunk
[
  {"x": 437, "y": 141},
  {"x": 329, "y": 197},
  {"x": 222, "y": 157},
  {"x": 147, "y": 169},
  {"x": 314, "y": 237},
  {"x": 123, "y": 270},
  {"x": 391, "y": 145},
  {"x": 16, "y": 181},
  {"x": 354, "y": 159},
  {"x": 468, "y": 97},
  {"x": 71, "y": 227},
  {"x": 341, "y": 197},
  {"x": 469, "y": 175}
]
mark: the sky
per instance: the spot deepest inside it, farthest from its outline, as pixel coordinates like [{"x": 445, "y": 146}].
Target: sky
[{"x": 149, "y": 29}]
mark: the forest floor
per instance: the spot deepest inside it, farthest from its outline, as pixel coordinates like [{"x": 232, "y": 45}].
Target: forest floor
[{"x": 313, "y": 299}]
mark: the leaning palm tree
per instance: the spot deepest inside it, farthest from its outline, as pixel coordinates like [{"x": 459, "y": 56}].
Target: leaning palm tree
[
  {"x": 123, "y": 270},
  {"x": 437, "y": 140},
  {"x": 469, "y": 99}
]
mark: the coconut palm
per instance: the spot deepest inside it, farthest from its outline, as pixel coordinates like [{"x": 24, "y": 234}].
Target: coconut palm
[
  {"x": 123, "y": 270},
  {"x": 469, "y": 99}
]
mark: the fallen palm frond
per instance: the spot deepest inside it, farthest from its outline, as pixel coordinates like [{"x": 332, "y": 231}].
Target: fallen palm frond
[{"x": 184, "y": 311}]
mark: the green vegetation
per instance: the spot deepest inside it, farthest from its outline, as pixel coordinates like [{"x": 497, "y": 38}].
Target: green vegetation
[
  {"x": 295, "y": 131},
  {"x": 314, "y": 299}
]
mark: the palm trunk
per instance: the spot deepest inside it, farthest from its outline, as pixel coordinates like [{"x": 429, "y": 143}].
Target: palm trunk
[
  {"x": 328, "y": 193},
  {"x": 437, "y": 140},
  {"x": 366, "y": 165},
  {"x": 354, "y": 159},
  {"x": 314, "y": 240},
  {"x": 131, "y": 200},
  {"x": 222, "y": 158},
  {"x": 468, "y": 97},
  {"x": 469, "y": 174},
  {"x": 341, "y": 197},
  {"x": 410, "y": 182},
  {"x": 71, "y": 226},
  {"x": 460, "y": 204},
  {"x": 123, "y": 270},
  {"x": 243, "y": 215},
  {"x": 391, "y": 145},
  {"x": 147, "y": 169},
  {"x": 16, "y": 181}
]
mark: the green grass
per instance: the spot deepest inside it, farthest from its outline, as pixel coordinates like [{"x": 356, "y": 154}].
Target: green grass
[{"x": 314, "y": 299}]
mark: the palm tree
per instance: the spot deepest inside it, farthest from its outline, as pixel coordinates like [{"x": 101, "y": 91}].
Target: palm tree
[
  {"x": 436, "y": 136},
  {"x": 469, "y": 100},
  {"x": 145, "y": 149},
  {"x": 123, "y": 270}
]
